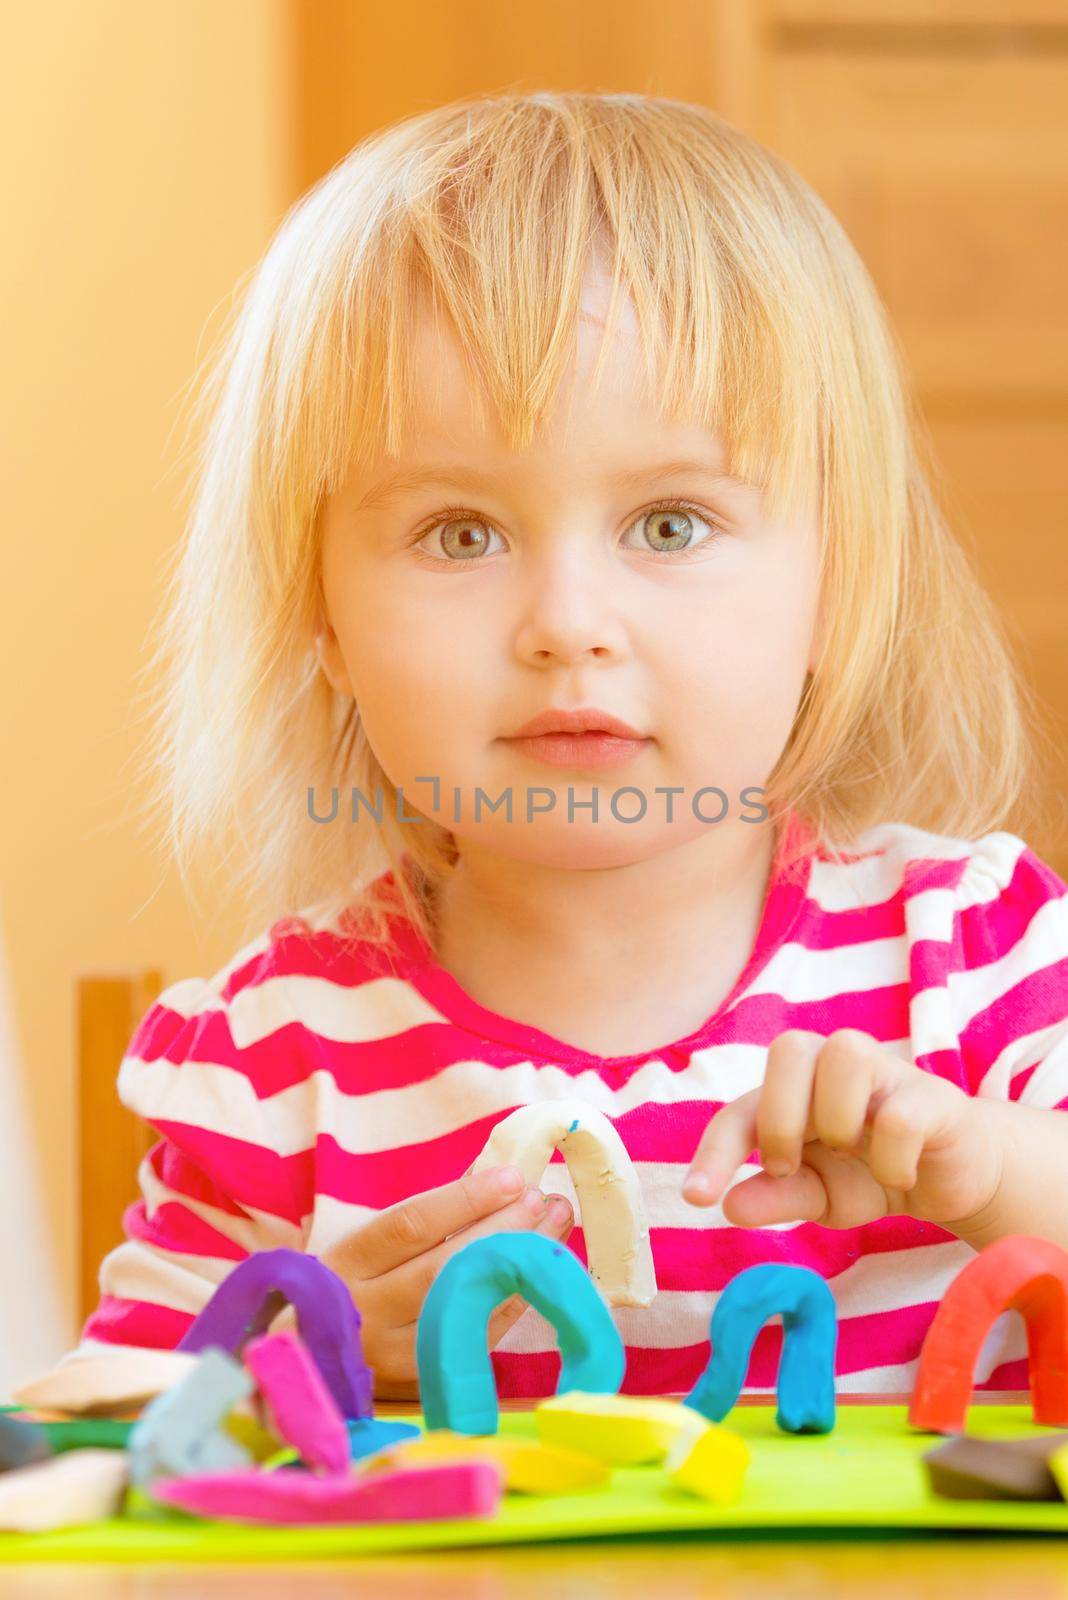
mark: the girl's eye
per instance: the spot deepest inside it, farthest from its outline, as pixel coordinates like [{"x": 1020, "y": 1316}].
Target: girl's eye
[
  {"x": 667, "y": 528},
  {"x": 464, "y": 536}
]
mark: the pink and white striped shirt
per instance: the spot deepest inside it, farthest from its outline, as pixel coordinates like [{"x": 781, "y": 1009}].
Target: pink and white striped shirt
[{"x": 303, "y": 1088}]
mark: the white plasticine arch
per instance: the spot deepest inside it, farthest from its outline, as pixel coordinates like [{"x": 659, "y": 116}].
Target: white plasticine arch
[{"x": 609, "y": 1195}]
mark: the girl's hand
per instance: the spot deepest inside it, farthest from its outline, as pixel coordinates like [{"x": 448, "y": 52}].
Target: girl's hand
[
  {"x": 390, "y": 1262},
  {"x": 847, "y": 1132}
]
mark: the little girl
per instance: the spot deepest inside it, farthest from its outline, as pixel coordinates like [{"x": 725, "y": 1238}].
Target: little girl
[{"x": 568, "y": 630}]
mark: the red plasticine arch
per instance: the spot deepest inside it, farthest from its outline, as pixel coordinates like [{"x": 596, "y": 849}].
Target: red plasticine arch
[{"x": 1017, "y": 1273}]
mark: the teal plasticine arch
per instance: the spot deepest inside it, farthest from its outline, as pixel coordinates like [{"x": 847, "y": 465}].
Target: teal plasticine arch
[
  {"x": 456, "y": 1382},
  {"x": 810, "y": 1336}
]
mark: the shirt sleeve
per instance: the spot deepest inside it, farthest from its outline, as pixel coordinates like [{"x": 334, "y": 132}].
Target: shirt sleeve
[
  {"x": 213, "y": 1068},
  {"x": 1010, "y": 991}
]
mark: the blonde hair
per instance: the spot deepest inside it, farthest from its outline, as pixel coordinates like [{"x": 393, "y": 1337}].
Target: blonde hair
[{"x": 760, "y": 321}]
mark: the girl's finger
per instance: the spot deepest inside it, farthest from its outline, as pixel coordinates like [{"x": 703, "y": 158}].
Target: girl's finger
[
  {"x": 761, "y": 1199},
  {"x": 416, "y": 1225},
  {"x": 900, "y": 1128},
  {"x": 842, "y": 1089},
  {"x": 725, "y": 1144},
  {"x": 833, "y": 1191},
  {"x": 786, "y": 1100}
]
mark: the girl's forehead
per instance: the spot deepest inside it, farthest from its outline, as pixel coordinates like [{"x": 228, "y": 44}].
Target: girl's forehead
[
  {"x": 450, "y": 405},
  {"x": 434, "y": 343},
  {"x": 530, "y": 382}
]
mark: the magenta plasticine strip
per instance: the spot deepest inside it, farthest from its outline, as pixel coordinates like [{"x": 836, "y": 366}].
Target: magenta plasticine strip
[
  {"x": 302, "y": 1407},
  {"x": 411, "y": 1494},
  {"x": 251, "y": 1296}
]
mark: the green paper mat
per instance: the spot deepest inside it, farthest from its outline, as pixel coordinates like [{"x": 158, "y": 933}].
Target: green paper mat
[{"x": 866, "y": 1474}]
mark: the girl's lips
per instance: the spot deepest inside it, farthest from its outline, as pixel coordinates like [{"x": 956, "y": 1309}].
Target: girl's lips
[{"x": 596, "y": 749}]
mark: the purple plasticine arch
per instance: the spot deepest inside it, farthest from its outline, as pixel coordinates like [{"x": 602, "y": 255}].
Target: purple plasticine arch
[{"x": 251, "y": 1296}]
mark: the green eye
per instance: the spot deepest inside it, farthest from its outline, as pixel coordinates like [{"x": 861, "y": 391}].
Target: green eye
[
  {"x": 669, "y": 528},
  {"x": 459, "y": 537}
]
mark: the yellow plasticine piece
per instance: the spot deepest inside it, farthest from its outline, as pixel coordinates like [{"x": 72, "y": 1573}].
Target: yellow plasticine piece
[
  {"x": 257, "y": 1440},
  {"x": 710, "y": 1464},
  {"x": 1058, "y": 1465},
  {"x": 529, "y": 1467},
  {"x": 626, "y": 1430},
  {"x": 280, "y": 1458}
]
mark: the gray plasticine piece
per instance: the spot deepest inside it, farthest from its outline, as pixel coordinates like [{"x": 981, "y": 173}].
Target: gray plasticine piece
[
  {"x": 251, "y": 1296},
  {"x": 22, "y": 1443},
  {"x": 181, "y": 1431}
]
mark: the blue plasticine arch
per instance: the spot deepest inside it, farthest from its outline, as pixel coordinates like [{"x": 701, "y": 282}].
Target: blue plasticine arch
[
  {"x": 456, "y": 1382},
  {"x": 805, "y": 1389}
]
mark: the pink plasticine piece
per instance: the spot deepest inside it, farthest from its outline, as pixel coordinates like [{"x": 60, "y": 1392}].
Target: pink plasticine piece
[
  {"x": 301, "y": 1405},
  {"x": 411, "y": 1494}
]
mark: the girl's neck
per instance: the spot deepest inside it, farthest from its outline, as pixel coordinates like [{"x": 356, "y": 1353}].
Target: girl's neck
[{"x": 611, "y": 960}]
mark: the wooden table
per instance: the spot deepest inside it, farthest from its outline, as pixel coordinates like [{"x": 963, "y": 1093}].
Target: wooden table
[
  {"x": 983, "y": 1568},
  {"x": 820, "y": 1567}
]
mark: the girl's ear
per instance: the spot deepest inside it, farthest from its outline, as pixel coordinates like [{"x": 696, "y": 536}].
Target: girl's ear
[{"x": 332, "y": 661}]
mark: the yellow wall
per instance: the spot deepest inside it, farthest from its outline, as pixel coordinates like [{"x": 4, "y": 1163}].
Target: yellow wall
[{"x": 148, "y": 150}]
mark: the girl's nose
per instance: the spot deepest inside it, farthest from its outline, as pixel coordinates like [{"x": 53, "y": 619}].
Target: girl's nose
[{"x": 568, "y": 608}]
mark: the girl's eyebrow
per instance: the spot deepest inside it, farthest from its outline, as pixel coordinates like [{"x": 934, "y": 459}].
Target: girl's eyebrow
[{"x": 398, "y": 483}]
